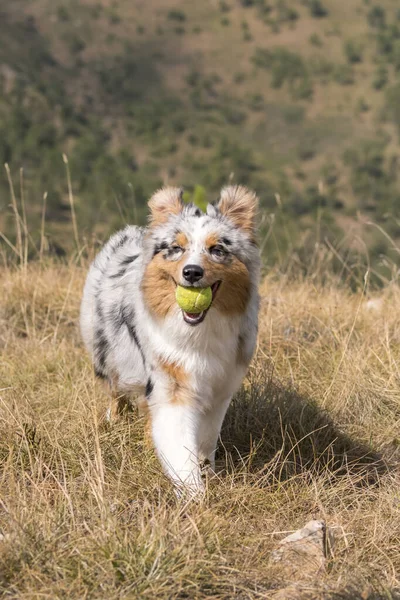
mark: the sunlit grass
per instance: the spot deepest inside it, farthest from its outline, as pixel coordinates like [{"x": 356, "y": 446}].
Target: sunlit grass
[{"x": 86, "y": 512}]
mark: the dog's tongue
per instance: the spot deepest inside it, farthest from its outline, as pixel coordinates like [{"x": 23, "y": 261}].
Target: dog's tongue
[{"x": 192, "y": 315}]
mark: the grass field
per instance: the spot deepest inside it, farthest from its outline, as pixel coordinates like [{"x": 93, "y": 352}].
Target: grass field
[
  {"x": 85, "y": 511},
  {"x": 299, "y": 100}
]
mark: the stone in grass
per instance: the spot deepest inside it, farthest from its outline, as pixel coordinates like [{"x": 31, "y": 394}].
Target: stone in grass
[{"x": 302, "y": 555}]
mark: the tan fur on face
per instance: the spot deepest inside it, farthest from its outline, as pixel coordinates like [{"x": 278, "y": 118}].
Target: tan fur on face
[
  {"x": 211, "y": 240},
  {"x": 239, "y": 205},
  {"x": 165, "y": 202},
  {"x": 160, "y": 277},
  {"x": 234, "y": 293},
  {"x": 179, "y": 381},
  {"x": 159, "y": 286},
  {"x": 181, "y": 240}
]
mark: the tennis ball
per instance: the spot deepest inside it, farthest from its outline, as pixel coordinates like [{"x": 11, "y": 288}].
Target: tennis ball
[{"x": 193, "y": 300}]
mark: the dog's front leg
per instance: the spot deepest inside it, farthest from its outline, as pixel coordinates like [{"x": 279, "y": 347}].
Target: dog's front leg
[
  {"x": 174, "y": 429},
  {"x": 209, "y": 429}
]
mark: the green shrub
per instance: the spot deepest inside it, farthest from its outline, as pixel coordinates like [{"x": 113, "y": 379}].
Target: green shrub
[
  {"x": 381, "y": 77},
  {"x": 384, "y": 42},
  {"x": 317, "y": 8},
  {"x": 264, "y": 8},
  {"x": 193, "y": 139},
  {"x": 177, "y": 15},
  {"x": 330, "y": 174},
  {"x": 256, "y": 102},
  {"x": 306, "y": 150},
  {"x": 178, "y": 124},
  {"x": 286, "y": 13},
  {"x": 239, "y": 77},
  {"x": 63, "y": 13},
  {"x": 362, "y": 106},
  {"x": 228, "y": 157},
  {"x": 114, "y": 18},
  {"x": 75, "y": 43},
  {"x": 193, "y": 77},
  {"x": 224, "y": 7},
  {"x": 234, "y": 115},
  {"x": 303, "y": 89},
  {"x": 377, "y": 17},
  {"x": 353, "y": 51},
  {"x": 285, "y": 66},
  {"x": 373, "y": 181}
]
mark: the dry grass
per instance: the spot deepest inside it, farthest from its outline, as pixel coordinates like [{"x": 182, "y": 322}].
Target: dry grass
[{"x": 86, "y": 513}]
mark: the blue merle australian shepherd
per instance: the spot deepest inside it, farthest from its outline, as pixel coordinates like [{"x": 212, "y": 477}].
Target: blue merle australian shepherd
[{"x": 181, "y": 368}]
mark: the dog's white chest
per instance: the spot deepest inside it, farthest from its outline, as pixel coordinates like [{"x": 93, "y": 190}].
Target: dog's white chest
[{"x": 207, "y": 355}]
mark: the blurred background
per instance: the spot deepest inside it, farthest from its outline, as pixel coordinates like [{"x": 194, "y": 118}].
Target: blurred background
[{"x": 298, "y": 99}]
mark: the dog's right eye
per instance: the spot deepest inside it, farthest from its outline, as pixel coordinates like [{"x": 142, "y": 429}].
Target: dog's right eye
[
  {"x": 218, "y": 252},
  {"x": 174, "y": 252}
]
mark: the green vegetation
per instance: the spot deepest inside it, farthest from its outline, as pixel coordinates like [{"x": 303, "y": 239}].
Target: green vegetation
[
  {"x": 286, "y": 67},
  {"x": 278, "y": 92},
  {"x": 353, "y": 51},
  {"x": 317, "y": 8}
]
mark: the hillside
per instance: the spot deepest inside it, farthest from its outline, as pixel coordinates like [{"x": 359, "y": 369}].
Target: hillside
[
  {"x": 296, "y": 98},
  {"x": 85, "y": 511}
]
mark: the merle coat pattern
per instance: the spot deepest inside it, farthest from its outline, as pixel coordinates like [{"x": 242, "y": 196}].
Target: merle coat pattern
[{"x": 184, "y": 368}]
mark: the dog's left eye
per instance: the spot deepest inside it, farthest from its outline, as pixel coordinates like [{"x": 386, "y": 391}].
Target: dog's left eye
[
  {"x": 218, "y": 251},
  {"x": 176, "y": 249}
]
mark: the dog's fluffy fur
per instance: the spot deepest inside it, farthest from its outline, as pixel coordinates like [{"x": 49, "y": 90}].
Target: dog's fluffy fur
[{"x": 183, "y": 368}]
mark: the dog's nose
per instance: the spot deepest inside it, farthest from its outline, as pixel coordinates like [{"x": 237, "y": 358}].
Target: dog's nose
[{"x": 193, "y": 273}]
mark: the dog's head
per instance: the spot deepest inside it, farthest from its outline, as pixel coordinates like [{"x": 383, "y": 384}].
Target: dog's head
[{"x": 195, "y": 249}]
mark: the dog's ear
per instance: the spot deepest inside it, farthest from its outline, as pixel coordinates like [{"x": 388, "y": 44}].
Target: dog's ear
[
  {"x": 239, "y": 205},
  {"x": 165, "y": 202}
]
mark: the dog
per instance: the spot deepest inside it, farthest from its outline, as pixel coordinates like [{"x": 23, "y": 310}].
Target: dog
[{"x": 183, "y": 368}]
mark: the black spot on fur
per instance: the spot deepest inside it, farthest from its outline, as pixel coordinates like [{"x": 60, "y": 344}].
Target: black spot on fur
[
  {"x": 99, "y": 309},
  {"x": 149, "y": 387},
  {"x": 118, "y": 274},
  {"x": 125, "y": 316},
  {"x": 101, "y": 348},
  {"x": 120, "y": 243},
  {"x": 159, "y": 247},
  {"x": 99, "y": 374},
  {"x": 197, "y": 212},
  {"x": 115, "y": 317},
  {"x": 129, "y": 259}
]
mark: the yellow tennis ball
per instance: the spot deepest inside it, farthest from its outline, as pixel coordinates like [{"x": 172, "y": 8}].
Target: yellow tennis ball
[{"x": 193, "y": 300}]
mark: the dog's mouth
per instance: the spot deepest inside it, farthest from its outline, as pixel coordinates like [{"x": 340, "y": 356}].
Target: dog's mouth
[{"x": 197, "y": 318}]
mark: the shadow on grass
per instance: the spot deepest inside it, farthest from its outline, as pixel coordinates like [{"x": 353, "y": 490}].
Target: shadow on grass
[{"x": 272, "y": 427}]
